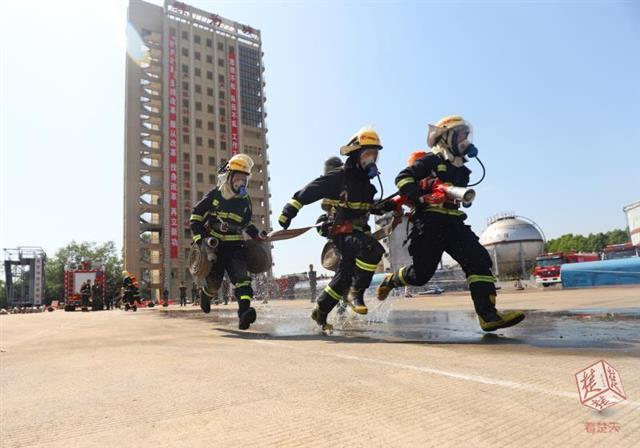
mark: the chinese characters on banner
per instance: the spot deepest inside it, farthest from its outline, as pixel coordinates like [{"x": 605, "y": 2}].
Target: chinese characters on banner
[
  {"x": 233, "y": 100},
  {"x": 173, "y": 152},
  {"x": 37, "y": 293}
]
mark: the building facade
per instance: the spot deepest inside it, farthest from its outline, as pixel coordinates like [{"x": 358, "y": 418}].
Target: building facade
[{"x": 194, "y": 98}]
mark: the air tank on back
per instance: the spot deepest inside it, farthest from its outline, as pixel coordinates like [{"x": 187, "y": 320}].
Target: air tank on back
[{"x": 513, "y": 243}]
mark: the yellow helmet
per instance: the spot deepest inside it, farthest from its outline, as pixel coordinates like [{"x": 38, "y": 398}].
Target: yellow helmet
[
  {"x": 125, "y": 273},
  {"x": 442, "y": 126},
  {"x": 241, "y": 163},
  {"x": 364, "y": 138}
]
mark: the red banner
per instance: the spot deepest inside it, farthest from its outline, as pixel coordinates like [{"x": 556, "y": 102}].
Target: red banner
[
  {"x": 173, "y": 152},
  {"x": 233, "y": 100}
]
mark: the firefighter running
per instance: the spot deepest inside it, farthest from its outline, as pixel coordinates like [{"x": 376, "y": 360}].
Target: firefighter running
[
  {"x": 438, "y": 224},
  {"x": 130, "y": 291},
  {"x": 350, "y": 195},
  {"x": 224, "y": 214}
]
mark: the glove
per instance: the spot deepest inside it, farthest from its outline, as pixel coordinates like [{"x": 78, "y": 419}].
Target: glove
[
  {"x": 325, "y": 228},
  {"x": 471, "y": 151},
  {"x": 284, "y": 221}
]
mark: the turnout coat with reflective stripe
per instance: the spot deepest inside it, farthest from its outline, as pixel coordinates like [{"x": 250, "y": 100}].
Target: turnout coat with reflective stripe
[
  {"x": 348, "y": 189},
  {"x": 408, "y": 180},
  {"x": 225, "y": 218}
]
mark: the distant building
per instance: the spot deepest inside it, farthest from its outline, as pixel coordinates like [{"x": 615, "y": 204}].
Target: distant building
[
  {"x": 194, "y": 98},
  {"x": 633, "y": 219}
]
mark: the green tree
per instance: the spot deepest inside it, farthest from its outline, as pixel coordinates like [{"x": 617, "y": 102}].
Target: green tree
[
  {"x": 3, "y": 295},
  {"x": 104, "y": 254},
  {"x": 594, "y": 242}
]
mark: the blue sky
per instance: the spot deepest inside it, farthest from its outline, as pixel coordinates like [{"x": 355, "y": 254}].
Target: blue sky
[{"x": 552, "y": 90}]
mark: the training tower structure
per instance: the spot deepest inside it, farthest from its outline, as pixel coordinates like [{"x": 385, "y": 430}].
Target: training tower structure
[
  {"x": 24, "y": 276},
  {"x": 194, "y": 98}
]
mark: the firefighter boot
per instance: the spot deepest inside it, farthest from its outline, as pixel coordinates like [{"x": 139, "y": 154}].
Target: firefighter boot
[
  {"x": 320, "y": 317},
  {"x": 205, "y": 302},
  {"x": 356, "y": 298},
  {"x": 490, "y": 319},
  {"x": 389, "y": 282},
  {"x": 246, "y": 315}
]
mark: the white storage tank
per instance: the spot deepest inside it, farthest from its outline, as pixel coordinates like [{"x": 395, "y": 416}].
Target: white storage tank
[{"x": 513, "y": 243}]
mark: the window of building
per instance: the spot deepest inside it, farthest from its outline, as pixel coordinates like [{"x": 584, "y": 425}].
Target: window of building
[
  {"x": 212, "y": 179},
  {"x": 199, "y": 177},
  {"x": 187, "y": 235},
  {"x": 209, "y": 59},
  {"x": 185, "y": 121},
  {"x": 212, "y": 160},
  {"x": 223, "y": 146},
  {"x": 185, "y": 68},
  {"x": 196, "y": 55},
  {"x": 209, "y": 91},
  {"x": 199, "y": 142},
  {"x": 198, "y": 105},
  {"x": 209, "y": 74},
  {"x": 223, "y": 128},
  {"x": 222, "y": 112},
  {"x": 221, "y": 94},
  {"x": 198, "y": 123},
  {"x": 200, "y": 194},
  {"x": 187, "y": 195},
  {"x": 197, "y": 71},
  {"x": 185, "y": 103},
  {"x": 185, "y": 138},
  {"x": 220, "y": 46},
  {"x": 185, "y": 85},
  {"x": 199, "y": 159},
  {"x": 185, "y": 52},
  {"x": 196, "y": 39},
  {"x": 210, "y": 125},
  {"x": 209, "y": 107},
  {"x": 221, "y": 62},
  {"x": 211, "y": 143},
  {"x": 198, "y": 88},
  {"x": 187, "y": 176},
  {"x": 185, "y": 35},
  {"x": 185, "y": 156},
  {"x": 209, "y": 42}
]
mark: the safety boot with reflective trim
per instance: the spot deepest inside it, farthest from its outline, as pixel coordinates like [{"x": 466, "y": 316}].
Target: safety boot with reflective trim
[
  {"x": 500, "y": 320},
  {"x": 386, "y": 286},
  {"x": 320, "y": 317},
  {"x": 356, "y": 298},
  {"x": 205, "y": 302},
  {"x": 247, "y": 317}
]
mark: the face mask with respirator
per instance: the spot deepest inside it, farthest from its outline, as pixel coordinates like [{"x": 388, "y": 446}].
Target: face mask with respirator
[
  {"x": 238, "y": 183},
  {"x": 368, "y": 160}
]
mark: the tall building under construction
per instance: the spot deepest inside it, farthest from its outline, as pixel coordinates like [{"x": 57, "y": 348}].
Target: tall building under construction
[{"x": 194, "y": 98}]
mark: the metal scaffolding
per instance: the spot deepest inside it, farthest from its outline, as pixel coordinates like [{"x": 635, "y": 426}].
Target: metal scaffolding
[{"x": 24, "y": 276}]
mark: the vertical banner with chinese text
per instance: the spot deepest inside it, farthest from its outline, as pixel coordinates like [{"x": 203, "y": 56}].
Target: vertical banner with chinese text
[
  {"x": 233, "y": 100},
  {"x": 173, "y": 151}
]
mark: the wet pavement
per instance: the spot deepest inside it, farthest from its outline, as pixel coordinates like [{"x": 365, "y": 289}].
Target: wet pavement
[{"x": 602, "y": 329}]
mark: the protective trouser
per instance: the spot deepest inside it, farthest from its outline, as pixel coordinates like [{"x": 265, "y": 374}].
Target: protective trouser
[
  {"x": 232, "y": 259},
  {"x": 361, "y": 254},
  {"x": 131, "y": 296},
  {"x": 434, "y": 234}
]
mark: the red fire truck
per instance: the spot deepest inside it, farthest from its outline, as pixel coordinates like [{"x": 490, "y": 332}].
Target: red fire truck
[
  {"x": 74, "y": 277},
  {"x": 625, "y": 250},
  {"x": 547, "y": 270}
]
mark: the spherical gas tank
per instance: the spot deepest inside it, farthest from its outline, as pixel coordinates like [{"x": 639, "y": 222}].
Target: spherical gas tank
[{"x": 513, "y": 244}]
